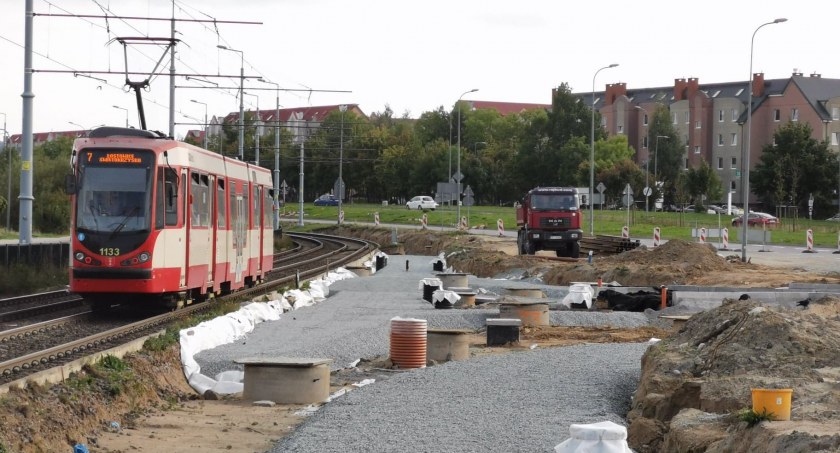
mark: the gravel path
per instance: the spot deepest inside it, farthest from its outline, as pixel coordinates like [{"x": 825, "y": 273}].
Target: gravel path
[{"x": 509, "y": 402}]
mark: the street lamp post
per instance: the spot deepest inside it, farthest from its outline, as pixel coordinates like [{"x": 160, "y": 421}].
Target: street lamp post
[
  {"x": 647, "y": 158},
  {"x": 9, "y": 190},
  {"x": 745, "y": 161},
  {"x": 276, "y": 154},
  {"x": 257, "y": 126},
  {"x": 656, "y": 158},
  {"x": 126, "y": 113},
  {"x": 206, "y": 128},
  {"x": 241, "y": 99},
  {"x": 458, "y": 172},
  {"x": 342, "y": 108},
  {"x": 592, "y": 157}
]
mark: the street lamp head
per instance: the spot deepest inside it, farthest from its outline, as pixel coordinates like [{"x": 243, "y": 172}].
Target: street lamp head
[
  {"x": 118, "y": 107},
  {"x": 222, "y": 47},
  {"x": 780, "y": 20},
  {"x": 663, "y": 136},
  {"x": 613, "y": 65},
  {"x": 342, "y": 108}
]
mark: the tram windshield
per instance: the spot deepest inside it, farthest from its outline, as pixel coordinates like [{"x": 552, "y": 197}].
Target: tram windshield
[{"x": 114, "y": 192}]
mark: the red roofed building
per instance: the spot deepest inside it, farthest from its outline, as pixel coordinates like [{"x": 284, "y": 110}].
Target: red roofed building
[
  {"x": 506, "y": 108},
  {"x": 301, "y": 121},
  {"x": 43, "y": 137}
]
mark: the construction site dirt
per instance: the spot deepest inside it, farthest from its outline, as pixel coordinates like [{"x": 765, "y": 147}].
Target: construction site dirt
[{"x": 693, "y": 383}]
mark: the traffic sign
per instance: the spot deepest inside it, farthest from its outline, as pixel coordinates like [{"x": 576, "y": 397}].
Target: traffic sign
[
  {"x": 601, "y": 187},
  {"x": 647, "y": 192},
  {"x": 457, "y": 176}
]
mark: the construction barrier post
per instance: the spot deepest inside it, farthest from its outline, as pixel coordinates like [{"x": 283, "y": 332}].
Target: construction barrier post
[
  {"x": 376, "y": 218},
  {"x": 501, "y": 227},
  {"x": 664, "y": 295},
  {"x": 725, "y": 239},
  {"x": 838, "y": 244},
  {"x": 702, "y": 235},
  {"x": 625, "y": 232},
  {"x": 657, "y": 238},
  {"x": 809, "y": 242},
  {"x": 341, "y": 217}
]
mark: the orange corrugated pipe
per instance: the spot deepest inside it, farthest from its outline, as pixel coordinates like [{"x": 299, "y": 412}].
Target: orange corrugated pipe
[{"x": 664, "y": 292}]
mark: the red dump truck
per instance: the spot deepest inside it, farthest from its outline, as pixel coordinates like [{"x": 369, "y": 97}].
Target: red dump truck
[{"x": 549, "y": 218}]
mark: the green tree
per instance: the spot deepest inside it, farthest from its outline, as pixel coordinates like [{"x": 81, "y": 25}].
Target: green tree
[
  {"x": 618, "y": 175},
  {"x": 794, "y": 168},
  {"x": 666, "y": 153},
  {"x": 702, "y": 181},
  {"x": 608, "y": 153}
]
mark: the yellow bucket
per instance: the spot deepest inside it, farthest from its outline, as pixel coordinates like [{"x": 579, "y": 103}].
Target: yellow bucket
[{"x": 776, "y": 401}]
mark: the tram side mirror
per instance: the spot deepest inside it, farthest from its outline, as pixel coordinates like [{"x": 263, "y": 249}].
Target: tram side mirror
[{"x": 70, "y": 184}]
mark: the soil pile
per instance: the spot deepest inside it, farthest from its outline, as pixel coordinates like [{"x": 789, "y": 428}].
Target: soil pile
[{"x": 694, "y": 382}]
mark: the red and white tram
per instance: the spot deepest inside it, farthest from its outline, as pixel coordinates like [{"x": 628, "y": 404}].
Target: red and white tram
[{"x": 157, "y": 217}]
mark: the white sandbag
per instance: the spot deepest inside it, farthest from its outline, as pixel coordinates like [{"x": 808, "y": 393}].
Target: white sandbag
[
  {"x": 579, "y": 293},
  {"x": 601, "y": 437}
]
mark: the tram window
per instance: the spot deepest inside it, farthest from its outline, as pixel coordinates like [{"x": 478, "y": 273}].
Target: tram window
[
  {"x": 159, "y": 201},
  {"x": 199, "y": 204},
  {"x": 246, "y": 204},
  {"x": 268, "y": 207},
  {"x": 207, "y": 214},
  {"x": 220, "y": 203},
  {"x": 170, "y": 197},
  {"x": 257, "y": 200}
]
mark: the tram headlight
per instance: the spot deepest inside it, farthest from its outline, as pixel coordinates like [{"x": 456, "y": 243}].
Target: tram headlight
[
  {"x": 79, "y": 256},
  {"x": 144, "y": 256}
]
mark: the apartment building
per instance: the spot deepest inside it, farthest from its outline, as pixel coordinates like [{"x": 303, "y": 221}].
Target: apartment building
[{"x": 710, "y": 119}]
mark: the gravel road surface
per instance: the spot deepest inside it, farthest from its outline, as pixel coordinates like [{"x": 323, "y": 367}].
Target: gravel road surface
[{"x": 508, "y": 402}]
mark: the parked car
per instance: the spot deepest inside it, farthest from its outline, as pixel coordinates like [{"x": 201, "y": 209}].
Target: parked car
[
  {"x": 326, "y": 200},
  {"x": 834, "y": 218},
  {"x": 422, "y": 202},
  {"x": 715, "y": 209},
  {"x": 757, "y": 219}
]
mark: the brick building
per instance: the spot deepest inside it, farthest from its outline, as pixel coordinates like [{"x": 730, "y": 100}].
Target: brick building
[{"x": 710, "y": 119}]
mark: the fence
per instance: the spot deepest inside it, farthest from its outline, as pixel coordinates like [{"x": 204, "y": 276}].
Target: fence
[{"x": 56, "y": 254}]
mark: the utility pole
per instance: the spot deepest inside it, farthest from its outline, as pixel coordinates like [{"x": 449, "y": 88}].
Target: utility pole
[
  {"x": 300, "y": 188},
  {"x": 26, "y": 158},
  {"x": 171, "y": 76}
]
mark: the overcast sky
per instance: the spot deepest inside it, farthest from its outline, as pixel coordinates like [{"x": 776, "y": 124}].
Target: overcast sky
[{"x": 411, "y": 55}]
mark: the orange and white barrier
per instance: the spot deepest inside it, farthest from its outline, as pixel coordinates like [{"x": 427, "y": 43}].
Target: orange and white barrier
[
  {"x": 463, "y": 225},
  {"x": 424, "y": 221},
  {"x": 341, "y": 217},
  {"x": 726, "y": 239},
  {"x": 657, "y": 237},
  {"x": 500, "y": 225},
  {"x": 625, "y": 231},
  {"x": 376, "y": 218},
  {"x": 702, "y": 235},
  {"x": 809, "y": 241}
]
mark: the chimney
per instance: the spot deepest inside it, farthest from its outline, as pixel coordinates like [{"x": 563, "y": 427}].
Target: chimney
[
  {"x": 692, "y": 87},
  {"x": 758, "y": 84},
  {"x": 613, "y": 91},
  {"x": 679, "y": 89},
  {"x": 796, "y": 73},
  {"x": 815, "y": 75}
]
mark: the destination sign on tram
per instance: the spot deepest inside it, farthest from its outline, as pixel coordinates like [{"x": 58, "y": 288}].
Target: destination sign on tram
[{"x": 115, "y": 158}]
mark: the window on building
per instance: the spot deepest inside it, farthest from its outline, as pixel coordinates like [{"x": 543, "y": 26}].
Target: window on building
[
  {"x": 732, "y": 186},
  {"x": 835, "y": 138},
  {"x": 644, "y": 142},
  {"x": 716, "y": 94},
  {"x": 698, "y": 124},
  {"x": 687, "y": 117},
  {"x": 675, "y": 117},
  {"x": 734, "y": 163},
  {"x": 720, "y": 163},
  {"x": 720, "y": 139},
  {"x": 604, "y": 122},
  {"x": 620, "y": 128},
  {"x": 696, "y": 150},
  {"x": 774, "y": 140},
  {"x": 720, "y": 115},
  {"x": 686, "y": 140},
  {"x": 777, "y": 115},
  {"x": 739, "y": 92},
  {"x": 734, "y": 115},
  {"x": 685, "y": 164},
  {"x": 794, "y": 114},
  {"x": 734, "y": 140},
  {"x": 645, "y": 120},
  {"x": 835, "y": 113}
]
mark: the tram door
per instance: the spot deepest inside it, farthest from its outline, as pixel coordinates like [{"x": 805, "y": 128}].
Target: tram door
[{"x": 239, "y": 217}]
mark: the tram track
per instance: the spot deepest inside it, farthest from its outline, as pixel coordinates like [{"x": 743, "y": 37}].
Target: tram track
[{"x": 26, "y": 350}]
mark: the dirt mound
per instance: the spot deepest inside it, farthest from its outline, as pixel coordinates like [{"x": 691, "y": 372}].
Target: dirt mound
[
  {"x": 719, "y": 355},
  {"x": 687, "y": 255}
]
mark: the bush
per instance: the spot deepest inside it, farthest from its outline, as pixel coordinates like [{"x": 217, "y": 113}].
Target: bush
[{"x": 753, "y": 418}]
